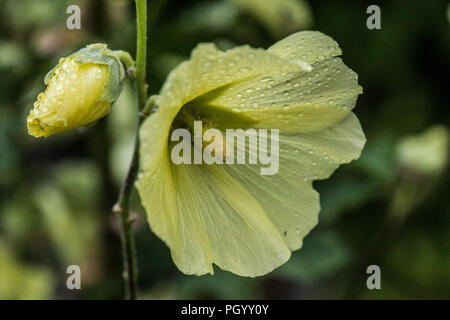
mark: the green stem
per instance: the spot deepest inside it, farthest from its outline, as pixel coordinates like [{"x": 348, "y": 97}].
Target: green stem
[
  {"x": 122, "y": 207},
  {"x": 125, "y": 57},
  {"x": 141, "y": 54}
]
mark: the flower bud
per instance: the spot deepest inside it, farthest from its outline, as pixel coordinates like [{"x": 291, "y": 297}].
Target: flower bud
[{"x": 80, "y": 90}]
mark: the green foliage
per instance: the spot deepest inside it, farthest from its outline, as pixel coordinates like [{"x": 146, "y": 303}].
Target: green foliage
[
  {"x": 324, "y": 254},
  {"x": 20, "y": 280}
]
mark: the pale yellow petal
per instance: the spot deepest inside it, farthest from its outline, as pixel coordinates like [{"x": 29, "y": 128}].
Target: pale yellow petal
[
  {"x": 70, "y": 99},
  {"x": 206, "y": 217},
  {"x": 285, "y": 87},
  {"x": 191, "y": 207},
  {"x": 306, "y": 46},
  {"x": 296, "y": 101},
  {"x": 210, "y": 69},
  {"x": 288, "y": 196}
]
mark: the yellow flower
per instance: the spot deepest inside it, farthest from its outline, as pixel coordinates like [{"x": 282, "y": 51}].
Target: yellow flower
[
  {"x": 80, "y": 90},
  {"x": 230, "y": 214}
]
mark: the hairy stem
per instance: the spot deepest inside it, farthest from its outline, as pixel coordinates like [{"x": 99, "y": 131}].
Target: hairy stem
[
  {"x": 141, "y": 54},
  {"x": 122, "y": 207}
]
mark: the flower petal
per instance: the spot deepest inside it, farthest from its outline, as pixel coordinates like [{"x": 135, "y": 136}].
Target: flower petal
[
  {"x": 288, "y": 197},
  {"x": 230, "y": 214},
  {"x": 206, "y": 217},
  {"x": 297, "y": 85},
  {"x": 70, "y": 99},
  {"x": 296, "y": 101},
  {"x": 210, "y": 69},
  {"x": 307, "y": 46}
]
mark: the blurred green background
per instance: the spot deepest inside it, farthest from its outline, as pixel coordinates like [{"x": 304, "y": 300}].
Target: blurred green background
[{"x": 390, "y": 208}]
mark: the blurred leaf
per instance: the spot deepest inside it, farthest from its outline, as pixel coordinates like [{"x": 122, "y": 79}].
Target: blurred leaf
[
  {"x": 68, "y": 208},
  {"x": 166, "y": 62},
  {"x": 161, "y": 291},
  {"x": 212, "y": 16},
  {"x": 18, "y": 220},
  {"x": 54, "y": 42},
  {"x": 122, "y": 126},
  {"x": 10, "y": 150},
  {"x": 426, "y": 152},
  {"x": 416, "y": 268},
  {"x": 377, "y": 159},
  {"x": 27, "y": 13},
  {"x": 122, "y": 118},
  {"x": 322, "y": 255},
  {"x": 13, "y": 58},
  {"x": 342, "y": 194},
  {"x": 280, "y": 17},
  {"x": 80, "y": 182},
  {"x": 22, "y": 281},
  {"x": 221, "y": 285}
]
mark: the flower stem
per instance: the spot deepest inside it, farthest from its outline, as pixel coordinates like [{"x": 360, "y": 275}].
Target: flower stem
[
  {"x": 125, "y": 57},
  {"x": 122, "y": 207},
  {"x": 141, "y": 54}
]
